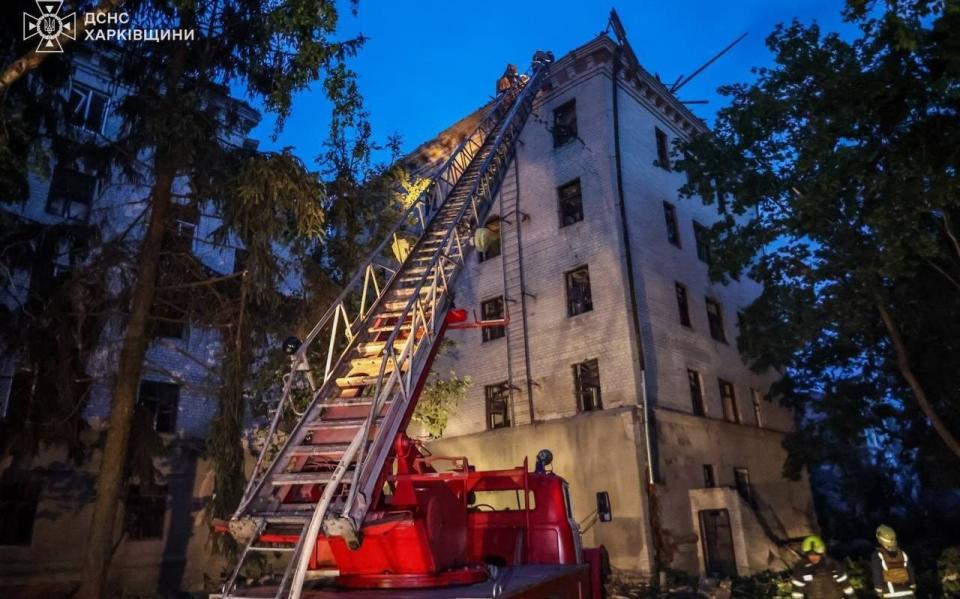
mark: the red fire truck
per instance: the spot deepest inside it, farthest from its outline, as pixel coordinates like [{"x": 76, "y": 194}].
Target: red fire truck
[{"x": 340, "y": 486}]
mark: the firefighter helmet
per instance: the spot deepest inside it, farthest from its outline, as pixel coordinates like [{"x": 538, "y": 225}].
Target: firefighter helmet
[
  {"x": 813, "y": 544},
  {"x": 887, "y": 537}
]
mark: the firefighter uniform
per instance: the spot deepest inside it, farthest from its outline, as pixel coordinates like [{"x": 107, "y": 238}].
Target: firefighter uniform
[
  {"x": 893, "y": 574},
  {"x": 823, "y": 580}
]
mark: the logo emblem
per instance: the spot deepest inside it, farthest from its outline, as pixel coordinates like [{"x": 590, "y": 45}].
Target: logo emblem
[{"x": 49, "y": 26}]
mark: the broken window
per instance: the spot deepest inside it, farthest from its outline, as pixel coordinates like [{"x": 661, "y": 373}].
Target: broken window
[
  {"x": 702, "y": 236},
  {"x": 492, "y": 309},
  {"x": 88, "y": 108},
  {"x": 741, "y": 477},
  {"x": 715, "y": 318},
  {"x": 682, "y": 305},
  {"x": 757, "y": 415},
  {"x": 579, "y": 299},
  {"x": 492, "y": 244},
  {"x": 696, "y": 392},
  {"x": 663, "y": 149},
  {"x": 498, "y": 405},
  {"x": 673, "y": 229},
  {"x": 565, "y": 123},
  {"x": 728, "y": 400},
  {"x": 161, "y": 401},
  {"x": 586, "y": 386},
  {"x": 709, "y": 476},
  {"x": 570, "y": 203},
  {"x": 19, "y": 497},
  {"x": 71, "y": 193},
  {"x": 145, "y": 512}
]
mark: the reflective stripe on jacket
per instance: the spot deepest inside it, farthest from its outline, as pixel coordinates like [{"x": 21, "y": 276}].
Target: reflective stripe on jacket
[{"x": 893, "y": 574}]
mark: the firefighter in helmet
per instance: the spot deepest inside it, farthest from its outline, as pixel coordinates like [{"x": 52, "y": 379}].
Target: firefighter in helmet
[
  {"x": 818, "y": 576},
  {"x": 893, "y": 574},
  {"x": 509, "y": 79}
]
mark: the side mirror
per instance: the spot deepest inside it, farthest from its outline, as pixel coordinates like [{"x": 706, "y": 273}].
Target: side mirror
[{"x": 604, "y": 509}]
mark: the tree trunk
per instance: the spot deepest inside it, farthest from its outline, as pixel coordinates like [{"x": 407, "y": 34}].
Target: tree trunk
[
  {"x": 903, "y": 363},
  {"x": 110, "y": 480}
]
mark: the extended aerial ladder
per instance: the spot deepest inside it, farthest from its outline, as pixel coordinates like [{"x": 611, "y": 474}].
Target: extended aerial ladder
[{"x": 355, "y": 378}]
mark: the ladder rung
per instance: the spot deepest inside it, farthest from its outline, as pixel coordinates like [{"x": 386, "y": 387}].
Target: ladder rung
[
  {"x": 357, "y": 381},
  {"x": 306, "y": 478},
  {"x": 315, "y": 450},
  {"x": 339, "y": 423},
  {"x": 266, "y": 549},
  {"x": 390, "y": 327}
]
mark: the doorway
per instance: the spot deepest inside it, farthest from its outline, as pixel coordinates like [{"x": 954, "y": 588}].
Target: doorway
[{"x": 718, "y": 556}]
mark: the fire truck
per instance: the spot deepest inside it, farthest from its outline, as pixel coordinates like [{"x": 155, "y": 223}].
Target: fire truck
[{"x": 339, "y": 486}]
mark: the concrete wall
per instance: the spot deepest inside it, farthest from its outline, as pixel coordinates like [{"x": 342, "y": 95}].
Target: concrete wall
[{"x": 593, "y": 452}]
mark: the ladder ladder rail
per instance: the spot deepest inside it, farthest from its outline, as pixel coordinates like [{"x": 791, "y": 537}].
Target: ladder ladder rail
[
  {"x": 370, "y": 468},
  {"x": 444, "y": 181}
]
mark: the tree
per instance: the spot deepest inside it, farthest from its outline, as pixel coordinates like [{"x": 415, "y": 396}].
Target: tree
[
  {"x": 439, "y": 399},
  {"x": 172, "y": 141},
  {"x": 840, "y": 170}
]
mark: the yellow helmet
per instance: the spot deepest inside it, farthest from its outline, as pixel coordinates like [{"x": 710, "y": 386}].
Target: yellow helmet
[
  {"x": 813, "y": 544},
  {"x": 887, "y": 537}
]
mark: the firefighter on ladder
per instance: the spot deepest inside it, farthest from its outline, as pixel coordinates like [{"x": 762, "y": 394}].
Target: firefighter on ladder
[
  {"x": 509, "y": 79},
  {"x": 818, "y": 576},
  {"x": 893, "y": 574}
]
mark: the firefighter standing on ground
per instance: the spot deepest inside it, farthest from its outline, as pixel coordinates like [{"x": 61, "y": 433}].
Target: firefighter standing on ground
[
  {"x": 818, "y": 576},
  {"x": 893, "y": 574}
]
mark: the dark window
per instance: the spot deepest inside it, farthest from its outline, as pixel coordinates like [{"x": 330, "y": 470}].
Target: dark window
[
  {"x": 182, "y": 228},
  {"x": 586, "y": 386},
  {"x": 709, "y": 476},
  {"x": 715, "y": 318},
  {"x": 161, "y": 400},
  {"x": 20, "y": 394},
  {"x": 492, "y": 310},
  {"x": 757, "y": 412},
  {"x": 19, "y": 497},
  {"x": 565, "y": 123},
  {"x": 702, "y": 236},
  {"x": 570, "y": 203},
  {"x": 673, "y": 229},
  {"x": 498, "y": 405},
  {"x": 682, "y": 305},
  {"x": 721, "y": 199},
  {"x": 663, "y": 149},
  {"x": 741, "y": 476},
  {"x": 696, "y": 392},
  {"x": 169, "y": 315},
  {"x": 71, "y": 193},
  {"x": 579, "y": 299},
  {"x": 145, "y": 512},
  {"x": 493, "y": 244},
  {"x": 88, "y": 108},
  {"x": 728, "y": 400}
]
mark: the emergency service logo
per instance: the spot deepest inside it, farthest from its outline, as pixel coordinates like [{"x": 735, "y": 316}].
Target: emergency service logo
[{"x": 49, "y": 26}]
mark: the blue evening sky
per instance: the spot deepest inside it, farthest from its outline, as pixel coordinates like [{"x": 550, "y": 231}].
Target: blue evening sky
[{"x": 428, "y": 63}]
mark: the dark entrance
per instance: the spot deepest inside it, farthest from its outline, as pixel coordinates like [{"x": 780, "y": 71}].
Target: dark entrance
[{"x": 717, "y": 543}]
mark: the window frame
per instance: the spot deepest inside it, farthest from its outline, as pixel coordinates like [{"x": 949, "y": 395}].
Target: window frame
[
  {"x": 698, "y": 402},
  {"x": 587, "y": 303},
  {"x": 19, "y": 502},
  {"x": 578, "y": 213},
  {"x": 709, "y": 476},
  {"x": 492, "y": 333},
  {"x": 169, "y": 412},
  {"x": 562, "y": 136},
  {"x": 68, "y": 200},
  {"x": 741, "y": 482},
  {"x": 715, "y": 322},
  {"x": 683, "y": 304},
  {"x": 702, "y": 237},
  {"x": 146, "y": 514},
  {"x": 490, "y": 253},
  {"x": 592, "y": 367},
  {"x": 755, "y": 397},
  {"x": 497, "y": 392},
  {"x": 731, "y": 413},
  {"x": 88, "y": 92},
  {"x": 663, "y": 148},
  {"x": 673, "y": 224}
]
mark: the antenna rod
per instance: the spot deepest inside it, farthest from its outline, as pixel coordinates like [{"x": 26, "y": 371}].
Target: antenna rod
[{"x": 707, "y": 64}]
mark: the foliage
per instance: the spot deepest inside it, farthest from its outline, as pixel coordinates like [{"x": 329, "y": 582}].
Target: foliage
[
  {"x": 438, "y": 401},
  {"x": 948, "y": 571},
  {"x": 764, "y": 584},
  {"x": 839, "y": 167}
]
